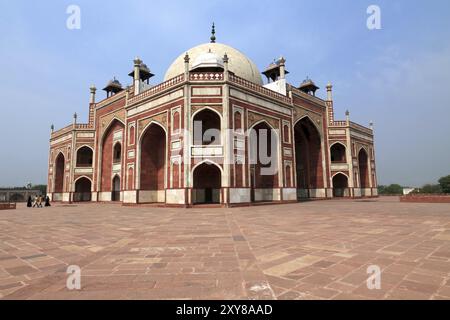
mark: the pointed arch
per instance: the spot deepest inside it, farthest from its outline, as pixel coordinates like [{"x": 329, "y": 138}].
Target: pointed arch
[
  {"x": 207, "y": 182},
  {"x": 85, "y": 145},
  {"x": 338, "y": 152},
  {"x": 209, "y": 162},
  {"x": 152, "y": 157},
  {"x": 84, "y": 156},
  {"x": 366, "y": 150},
  {"x": 130, "y": 178},
  {"x": 340, "y": 172},
  {"x": 206, "y": 108},
  {"x": 308, "y": 154},
  {"x": 109, "y": 125},
  {"x": 262, "y": 121},
  {"x": 59, "y": 169},
  {"x": 340, "y": 185},
  {"x": 211, "y": 127},
  {"x": 363, "y": 166},
  {"x": 83, "y": 189},
  {"x": 307, "y": 117},
  {"x": 115, "y": 187},
  {"x": 264, "y": 168},
  {"x": 108, "y": 141},
  {"x": 83, "y": 176},
  {"x": 117, "y": 152},
  {"x": 141, "y": 134}
]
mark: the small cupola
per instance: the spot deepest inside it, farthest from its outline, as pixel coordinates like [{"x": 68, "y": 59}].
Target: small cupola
[
  {"x": 209, "y": 62},
  {"x": 113, "y": 87},
  {"x": 276, "y": 70},
  {"x": 308, "y": 86},
  {"x": 144, "y": 73}
]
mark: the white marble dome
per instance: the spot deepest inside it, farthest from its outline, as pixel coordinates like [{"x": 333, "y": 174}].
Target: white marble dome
[{"x": 238, "y": 63}]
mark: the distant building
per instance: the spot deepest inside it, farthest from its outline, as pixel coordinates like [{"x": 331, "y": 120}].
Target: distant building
[
  {"x": 407, "y": 191},
  {"x": 141, "y": 142}
]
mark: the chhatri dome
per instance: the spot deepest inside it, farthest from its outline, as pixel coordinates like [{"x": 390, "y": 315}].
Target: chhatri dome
[{"x": 211, "y": 54}]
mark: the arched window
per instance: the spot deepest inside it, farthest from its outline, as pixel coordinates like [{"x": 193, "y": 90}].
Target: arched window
[
  {"x": 338, "y": 153},
  {"x": 207, "y": 128},
  {"x": 84, "y": 157},
  {"x": 117, "y": 153}
]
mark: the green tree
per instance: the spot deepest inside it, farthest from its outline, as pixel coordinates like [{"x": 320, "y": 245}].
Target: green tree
[
  {"x": 444, "y": 182},
  {"x": 431, "y": 188},
  {"x": 394, "y": 189},
  {"x": 381, "y": 189},
  {"x": 391, "y": 189}
]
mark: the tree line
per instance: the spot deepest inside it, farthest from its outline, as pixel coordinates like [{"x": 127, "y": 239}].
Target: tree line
[{"x": 443, "y": 186}]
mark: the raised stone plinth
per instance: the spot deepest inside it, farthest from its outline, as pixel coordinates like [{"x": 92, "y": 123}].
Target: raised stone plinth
[
  {"x": 7, "y": 206},
  {"x": 426, "y": 198}
]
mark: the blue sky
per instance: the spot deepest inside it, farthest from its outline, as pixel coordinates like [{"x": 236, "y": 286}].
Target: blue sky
[{"x": 398, "y": 76}]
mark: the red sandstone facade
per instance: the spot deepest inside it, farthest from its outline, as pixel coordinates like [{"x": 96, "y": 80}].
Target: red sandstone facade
[{"x": 141, "y": 144}]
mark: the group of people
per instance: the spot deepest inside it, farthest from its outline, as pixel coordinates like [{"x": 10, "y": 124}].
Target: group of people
[{"x": 37, "y": 201}]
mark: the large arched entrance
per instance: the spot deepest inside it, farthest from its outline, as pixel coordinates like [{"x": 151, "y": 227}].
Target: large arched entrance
[
  {"x": 363, "y": 169},
  {"x": 207, "y": 183},
  {"x": 115, "y": 193},
  {"x": 308, "y": 156},
  {"x": 206, "y": 128},
  {"x": 83, "y": 188},
  {"x": 153, "y": 164},
  {"x": 263, "y": 156},
  {"x": 111, "y": 155},
  {"x": 59, "y": 173},
  {"x": 340, "y": 186}
]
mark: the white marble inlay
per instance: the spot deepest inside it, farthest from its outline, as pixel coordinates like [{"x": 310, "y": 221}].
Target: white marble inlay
[
  {"x": 84, "y": 170},
  {"x": 206, "y": 151}
]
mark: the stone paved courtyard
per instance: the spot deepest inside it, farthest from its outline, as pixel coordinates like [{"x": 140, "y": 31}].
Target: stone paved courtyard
[{"x": 311, "y": 250}]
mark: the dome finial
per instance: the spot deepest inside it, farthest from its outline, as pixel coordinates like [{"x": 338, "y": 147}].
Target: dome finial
[{"x": 213, "y": 34}]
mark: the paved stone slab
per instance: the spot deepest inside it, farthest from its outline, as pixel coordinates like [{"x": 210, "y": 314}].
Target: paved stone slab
[{"x": 311, "y": 250}]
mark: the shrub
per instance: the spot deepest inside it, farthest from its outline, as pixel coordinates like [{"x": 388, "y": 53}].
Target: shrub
[{"x": 444, "y": 183}]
